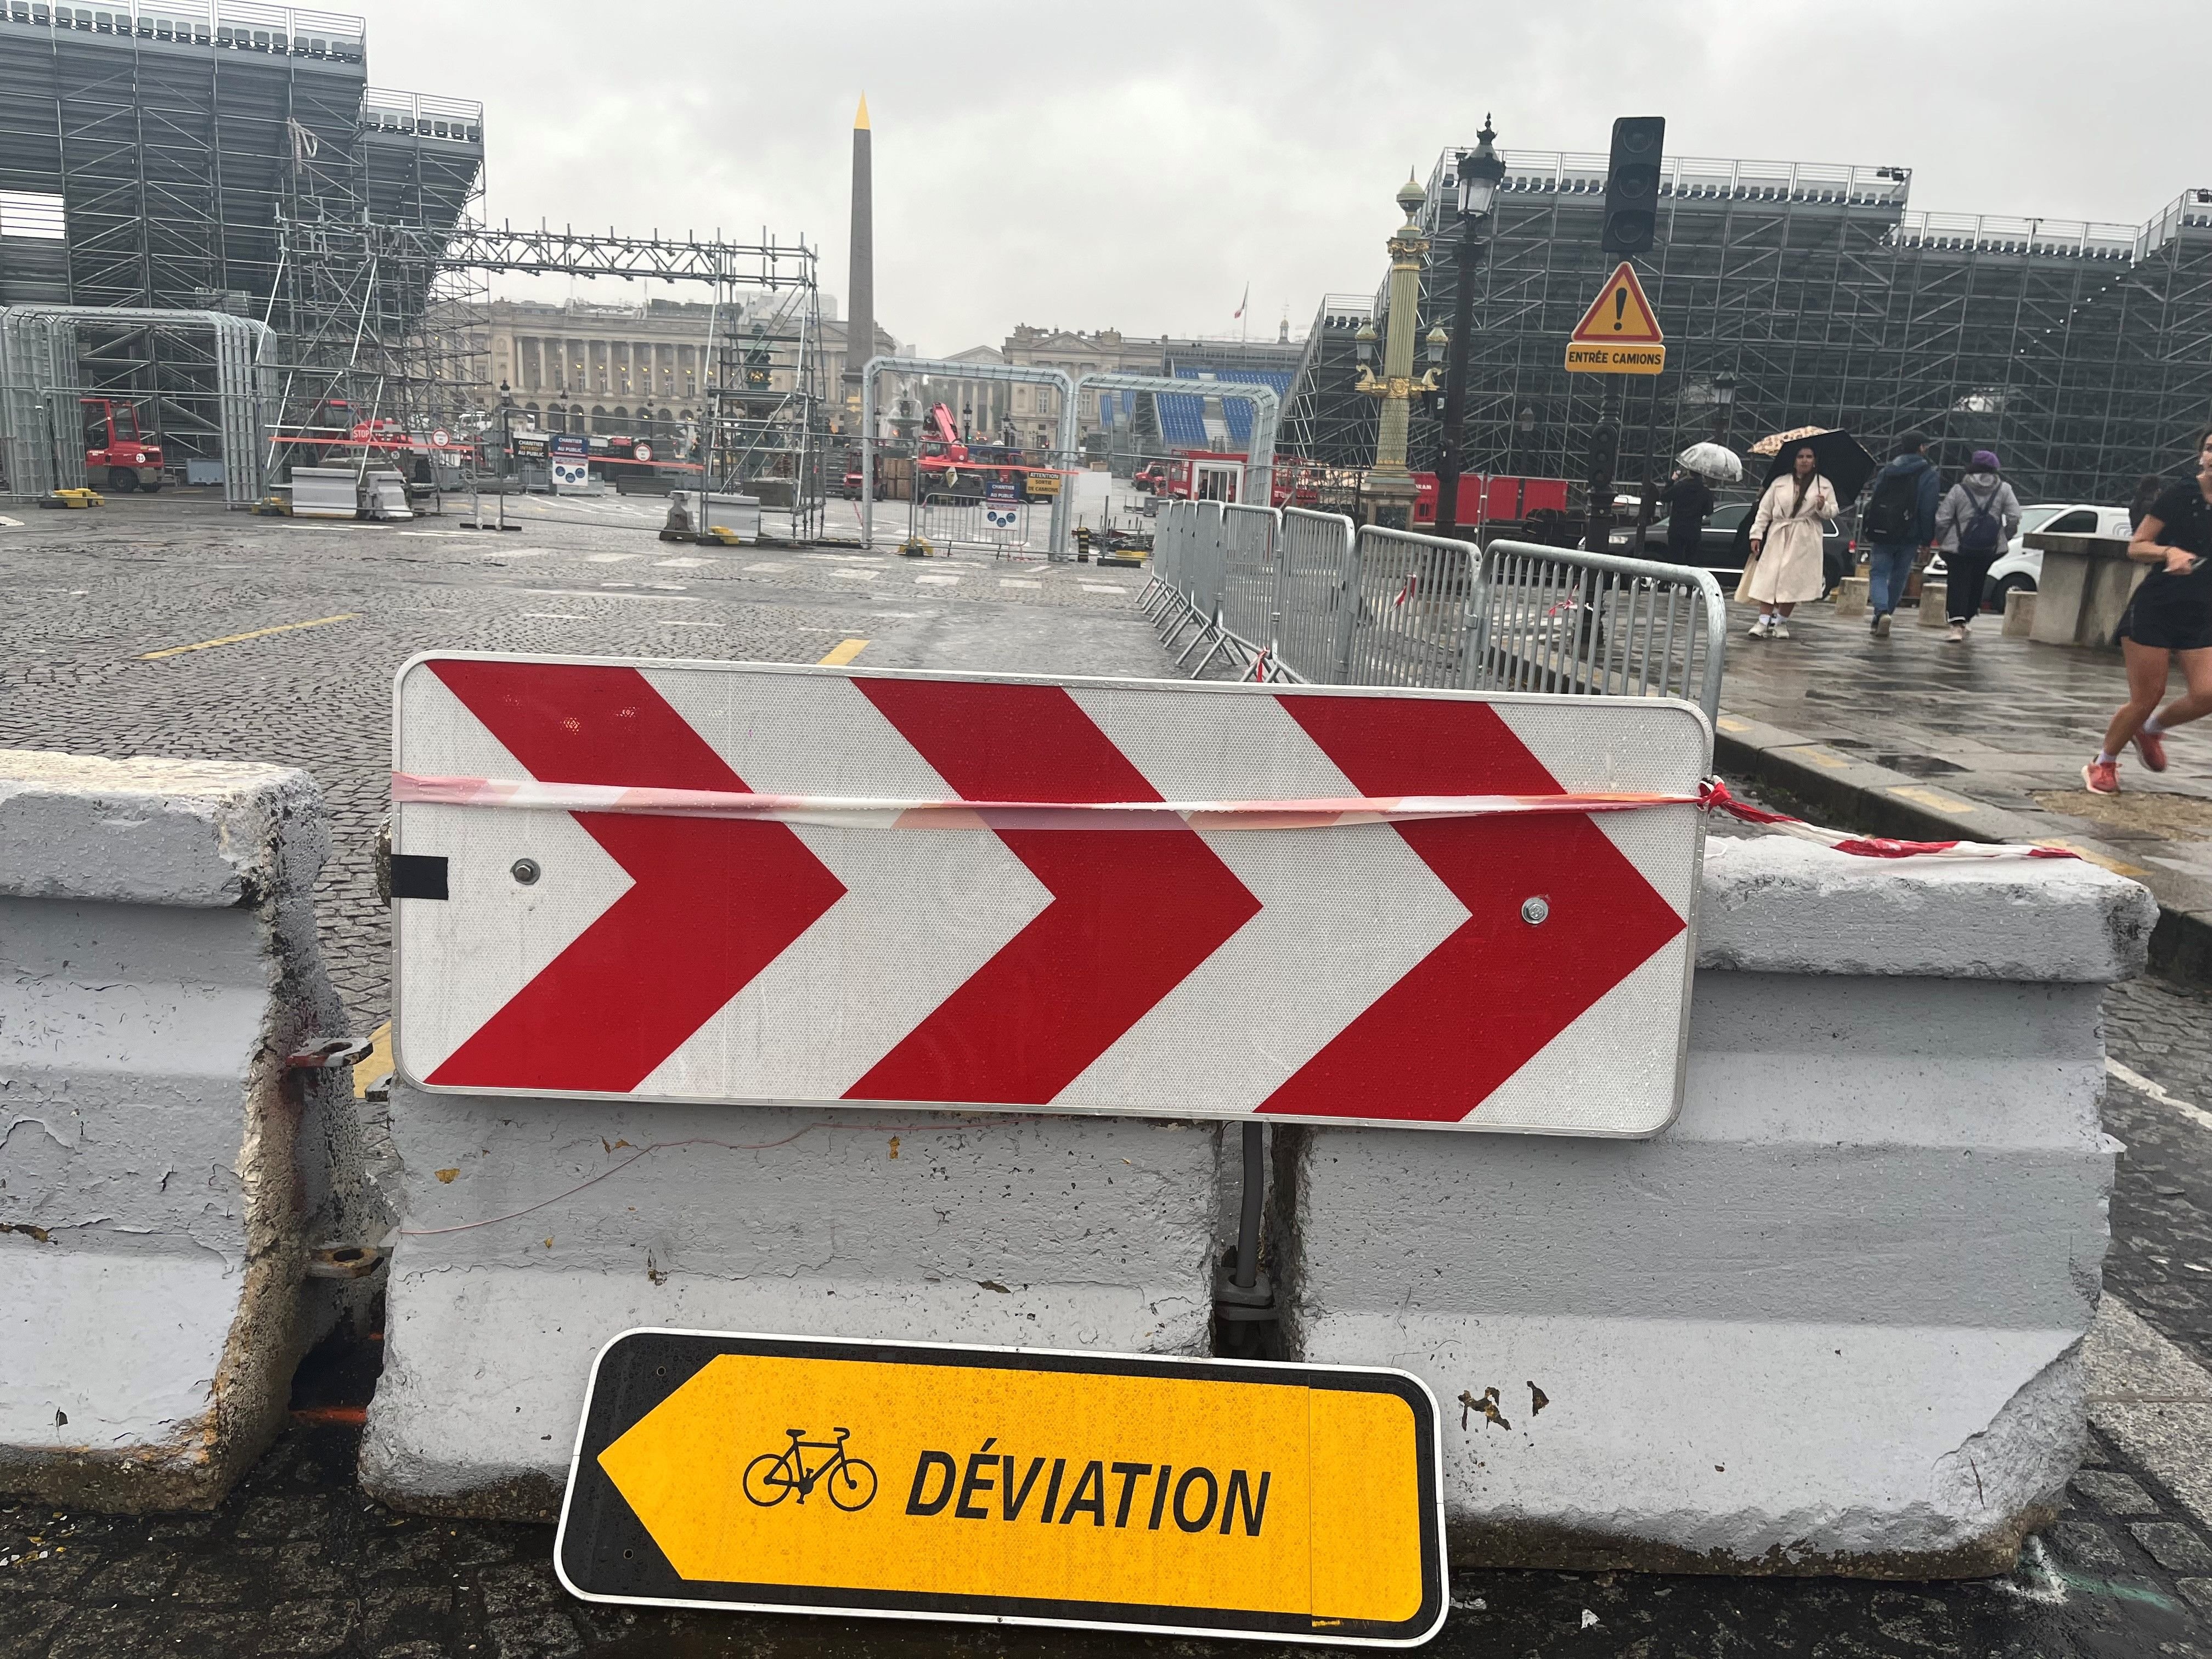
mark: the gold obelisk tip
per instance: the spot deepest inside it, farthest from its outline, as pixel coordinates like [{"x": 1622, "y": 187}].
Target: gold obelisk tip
[{"x": 860, "y": 118}]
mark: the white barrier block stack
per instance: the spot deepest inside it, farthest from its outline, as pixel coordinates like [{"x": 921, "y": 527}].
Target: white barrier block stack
[
  {"x": 1829, "y": 1322},
  {"x": 1057, "y": 1233},
  {"x": 163, "y": 1174}
]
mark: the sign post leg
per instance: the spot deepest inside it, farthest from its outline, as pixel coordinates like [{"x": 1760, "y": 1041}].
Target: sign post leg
[{"x": 1604, "y": 453}]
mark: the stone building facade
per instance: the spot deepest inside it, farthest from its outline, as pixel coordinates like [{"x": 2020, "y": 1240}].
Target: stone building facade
[{"x": 635, "y": 369}]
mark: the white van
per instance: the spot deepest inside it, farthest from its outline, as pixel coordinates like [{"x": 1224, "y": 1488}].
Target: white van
[{"x": 2021, "y": 567}]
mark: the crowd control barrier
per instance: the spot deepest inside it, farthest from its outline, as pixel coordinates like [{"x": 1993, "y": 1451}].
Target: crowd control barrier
[
  {"x": 1829, "y": 1322},
  {"x": 173, "y": 1154},
  {"x": 1305, "y": 597}
]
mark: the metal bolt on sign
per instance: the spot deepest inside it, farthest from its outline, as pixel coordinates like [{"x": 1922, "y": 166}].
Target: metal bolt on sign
[
  {"x": 526, "y": 871},
  {"x": 1533, "y": 910}
]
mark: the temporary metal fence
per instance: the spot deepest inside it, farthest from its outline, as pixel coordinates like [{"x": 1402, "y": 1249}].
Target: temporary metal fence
[
  {"x": 1300, "y": 596},
  {"x": 41, "y": 424},
  {"x": 1007, "y": 529}
]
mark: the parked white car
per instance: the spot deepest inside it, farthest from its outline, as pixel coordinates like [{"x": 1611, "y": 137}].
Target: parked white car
[{"x": 2021, "y": 567}]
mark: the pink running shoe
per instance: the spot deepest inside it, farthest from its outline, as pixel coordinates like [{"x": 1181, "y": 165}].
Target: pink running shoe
[
  {"x": 2151, "y": 745},
  {"x": 2103, "y": 777}
]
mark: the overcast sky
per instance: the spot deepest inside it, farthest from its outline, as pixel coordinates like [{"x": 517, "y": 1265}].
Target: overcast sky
[{"x": 1136, "y": 165}]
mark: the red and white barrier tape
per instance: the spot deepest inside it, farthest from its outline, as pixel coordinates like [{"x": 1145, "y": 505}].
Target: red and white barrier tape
[
  {"x": 869, "y": 812},
  {"x": 1714, "y": 797},
  {"x": 837, "y": 812}
]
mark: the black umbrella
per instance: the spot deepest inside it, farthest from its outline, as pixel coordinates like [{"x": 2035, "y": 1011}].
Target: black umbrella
[{"x": 1841, "y": 460}]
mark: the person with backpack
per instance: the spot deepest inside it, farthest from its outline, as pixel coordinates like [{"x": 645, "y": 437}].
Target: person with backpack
[
  {"x": 1976, "y": 524},
  {"x": 1900, "y": 526}
]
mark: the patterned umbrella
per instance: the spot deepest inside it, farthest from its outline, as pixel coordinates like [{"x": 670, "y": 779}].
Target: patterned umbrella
[{"x": 1842, "y": 460}]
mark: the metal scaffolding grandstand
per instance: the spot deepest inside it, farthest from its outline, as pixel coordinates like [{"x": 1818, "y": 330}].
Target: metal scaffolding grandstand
[
  {"x": 2082, "y": 353},
  {"x": 172, "y": 154},
  {"x": 222, "y": 155}
]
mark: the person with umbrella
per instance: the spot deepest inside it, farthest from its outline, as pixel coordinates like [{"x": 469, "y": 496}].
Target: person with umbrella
[
  {"x": 1689, "y": 502},
  {"x": 1784, "y": 569}
]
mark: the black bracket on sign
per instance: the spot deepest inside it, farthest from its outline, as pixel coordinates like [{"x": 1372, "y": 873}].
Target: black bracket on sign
[{"x": 417, "y": 877}]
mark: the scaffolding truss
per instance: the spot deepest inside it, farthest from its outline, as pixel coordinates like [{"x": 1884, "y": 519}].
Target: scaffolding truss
[
  {"x": 387, "y": 322},
  {"x": 2081, "y": 353}
]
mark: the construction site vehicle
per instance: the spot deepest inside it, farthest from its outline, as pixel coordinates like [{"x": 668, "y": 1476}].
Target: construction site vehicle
[{"x": 113, "y": 445}]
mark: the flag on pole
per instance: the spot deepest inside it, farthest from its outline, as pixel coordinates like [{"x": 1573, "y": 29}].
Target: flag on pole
[{"x": 1242, "y": 303}]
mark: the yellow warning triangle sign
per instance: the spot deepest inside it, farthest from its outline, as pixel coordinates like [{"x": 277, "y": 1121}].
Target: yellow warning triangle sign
[{"x": 1620, "y": 315}]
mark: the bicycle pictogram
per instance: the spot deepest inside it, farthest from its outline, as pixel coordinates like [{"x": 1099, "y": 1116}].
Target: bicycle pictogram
[{"x": 773, "y": 1476}]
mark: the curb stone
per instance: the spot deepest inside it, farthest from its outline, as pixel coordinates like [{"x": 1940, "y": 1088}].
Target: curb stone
[{"x": 1857, "y": 794}]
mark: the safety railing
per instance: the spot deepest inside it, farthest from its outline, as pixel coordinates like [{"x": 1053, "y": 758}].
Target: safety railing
[
  {"x": 1410, "y": 609},
  {"x": 1313, "y": 587},
  {"x": 1244, "y": 600},
  {"x": 1547, "y": 619},
  {"x": 1300, "y": 596}
]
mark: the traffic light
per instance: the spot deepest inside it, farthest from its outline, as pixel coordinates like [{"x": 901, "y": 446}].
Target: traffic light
[{"x": 1632, "y": 182}]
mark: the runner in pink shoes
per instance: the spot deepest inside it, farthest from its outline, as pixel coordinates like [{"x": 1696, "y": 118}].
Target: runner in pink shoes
[{"x": 2169, "y": 617}]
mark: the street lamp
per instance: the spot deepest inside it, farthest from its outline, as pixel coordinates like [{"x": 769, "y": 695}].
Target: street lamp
[
  {"x": 1482, "y": 170},
  {"x": 1723, "y": 405},
  {"x": 506, "y": 430}
]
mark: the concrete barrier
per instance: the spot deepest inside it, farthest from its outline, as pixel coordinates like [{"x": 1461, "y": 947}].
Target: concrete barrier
[
  {"x": 1063, "y": 1233},
  {"x": 164, "y": 1173},
  {"x": 1827, "y": 1322}
]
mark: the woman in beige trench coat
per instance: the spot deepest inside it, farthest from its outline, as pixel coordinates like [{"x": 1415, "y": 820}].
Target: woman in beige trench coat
[{"x": 1785, "y": 569}]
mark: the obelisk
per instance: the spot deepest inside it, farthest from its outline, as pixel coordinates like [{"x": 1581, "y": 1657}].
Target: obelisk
[{"x": 860, "y": 283}]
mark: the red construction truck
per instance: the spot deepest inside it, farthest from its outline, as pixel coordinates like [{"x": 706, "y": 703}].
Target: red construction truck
[{"x": 115, "y": 450}]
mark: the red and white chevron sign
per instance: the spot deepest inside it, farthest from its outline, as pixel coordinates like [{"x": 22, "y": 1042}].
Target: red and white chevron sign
[{"x": 744, "y": 883}]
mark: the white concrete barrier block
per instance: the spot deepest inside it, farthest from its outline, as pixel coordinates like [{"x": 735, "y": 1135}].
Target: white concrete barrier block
[
  {"x": 1781, "y": 906},
  {"x": 162, "y": 1176},
  {"x": 1830, "y": 1321},
  {"x": 1060, "y": 1232}
]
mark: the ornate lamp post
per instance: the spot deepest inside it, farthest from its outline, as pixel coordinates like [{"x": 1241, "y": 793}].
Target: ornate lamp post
[
  {"x": 1480, "y": 171},
  {"x": 1723, "y": 405},
  {"x": 1390, "y": 487}
]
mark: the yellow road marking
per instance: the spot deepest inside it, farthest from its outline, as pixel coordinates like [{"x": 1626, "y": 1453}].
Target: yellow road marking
[
  {"x": 2095, "y": 857},
  {"x": 375, "y": 1063},
  {"x": 843, "y": 652},
  {"x": 1931, "y": 798},
  {"x": 255, "y": 634},
  {"x": 1818, "y": 756},
  {"x": 1730, "y": 723}
]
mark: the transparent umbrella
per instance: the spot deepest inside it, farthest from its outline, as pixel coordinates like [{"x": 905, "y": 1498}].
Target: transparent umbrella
[{"x": 1714, "y": 463}]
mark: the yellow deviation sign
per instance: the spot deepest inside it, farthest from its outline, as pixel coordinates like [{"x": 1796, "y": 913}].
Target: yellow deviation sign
[
  {"x": 901, "y": 1480},
  {"x": 1619, "y": 333}
]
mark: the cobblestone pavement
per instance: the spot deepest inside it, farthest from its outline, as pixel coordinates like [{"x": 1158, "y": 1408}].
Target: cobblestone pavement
[
  {"x": 297, "y": 1562},
  {"x": 85, "y": 601}
]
